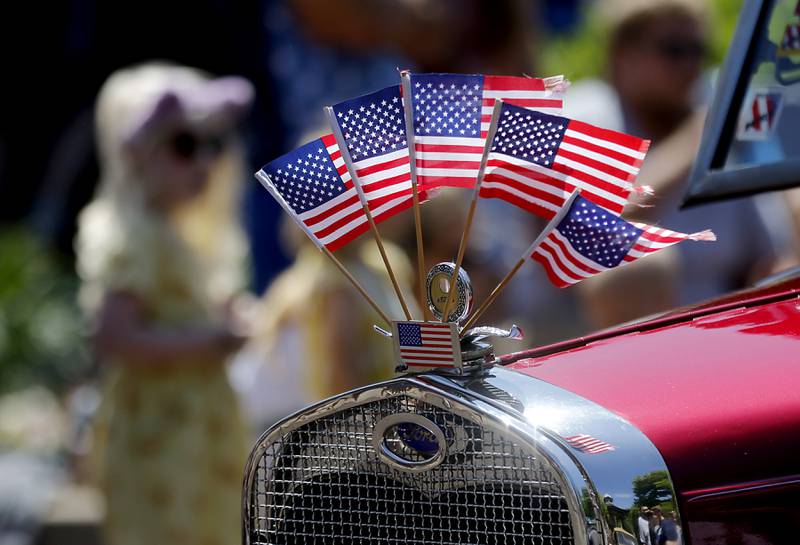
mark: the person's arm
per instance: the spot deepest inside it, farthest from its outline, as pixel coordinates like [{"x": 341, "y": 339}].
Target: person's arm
[
  {"x": 122, "y": 331},
  {"x": 666, "y": 168}
]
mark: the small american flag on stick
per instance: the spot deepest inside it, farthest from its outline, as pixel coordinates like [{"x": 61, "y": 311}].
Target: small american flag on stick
[
  {"x": 374, "y": 130},
  {"x": 451, "y": 115},
  {"x": 537, "y": 160},
  {"x": 427, "y": 345},
  {"x": 588, "y": 444},
  {"x": 585, "y": 240},
  {"x": 315, "y": 187}
]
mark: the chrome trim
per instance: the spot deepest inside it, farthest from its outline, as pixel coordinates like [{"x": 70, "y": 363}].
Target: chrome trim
[
  {"x": 558, "y": 414},
  {"x": 396, "y": 461},
  {"x": 598, "y": 487},
  {"x": 448, "y": 395}
]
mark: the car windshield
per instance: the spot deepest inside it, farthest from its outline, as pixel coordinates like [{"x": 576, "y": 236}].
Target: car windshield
[{"x": 749, "y": 144}]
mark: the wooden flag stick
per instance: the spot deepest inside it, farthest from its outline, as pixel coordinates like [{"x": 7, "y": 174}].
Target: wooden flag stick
[
  {"x": 267, "y": 183},
  {"x": 348, "y": 161},
  {"x": 405, "y": 79},
  {"x": 504, "y": 282},
  {"x": 356, "y": 284},
  {"x": 472, "y": 205}
]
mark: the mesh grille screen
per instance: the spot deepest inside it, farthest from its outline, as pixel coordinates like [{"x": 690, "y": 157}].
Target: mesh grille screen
[{"x": 323, "y": 483}]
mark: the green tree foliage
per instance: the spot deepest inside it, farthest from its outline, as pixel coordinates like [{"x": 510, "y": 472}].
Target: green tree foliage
[
  {"x": 583, "y": 52},
  {"x": 653, "y": 489},
  {"x": 41, "y": 331}
]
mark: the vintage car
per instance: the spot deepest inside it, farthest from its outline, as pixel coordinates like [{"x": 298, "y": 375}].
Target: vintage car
[{"x": 567, "y": 443}]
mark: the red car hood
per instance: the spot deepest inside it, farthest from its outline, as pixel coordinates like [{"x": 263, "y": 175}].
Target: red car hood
[{"x": 716, "y": 388}]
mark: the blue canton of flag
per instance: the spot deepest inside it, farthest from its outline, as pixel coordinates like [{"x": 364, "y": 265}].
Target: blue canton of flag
[
  {"x": 531, "y": 136},
  {"x": 447, "y": 104},
  {"x": 373, "y": 124},
  {"x": 410, "y": 334},
  {"x": 598, "y": 234},
  {"x": 314, "y": 183},
  {"x": 306, "y": 177}
]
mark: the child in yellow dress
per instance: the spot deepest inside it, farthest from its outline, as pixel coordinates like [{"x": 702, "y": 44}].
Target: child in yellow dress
[{"x": 157, "y": 253}]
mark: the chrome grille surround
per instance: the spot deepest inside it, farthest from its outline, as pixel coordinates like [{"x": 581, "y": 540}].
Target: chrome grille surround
[{"x": 318, "y": 478}]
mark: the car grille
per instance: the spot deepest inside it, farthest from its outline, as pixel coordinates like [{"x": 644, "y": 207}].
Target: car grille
[{"x": 324, "y": 483}]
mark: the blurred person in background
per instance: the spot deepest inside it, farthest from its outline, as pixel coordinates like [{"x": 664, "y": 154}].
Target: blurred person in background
[
  {"x": 159, "y": 256},
  {"x": 654, "y": 90},
  {"x": 313, "y": 334}
]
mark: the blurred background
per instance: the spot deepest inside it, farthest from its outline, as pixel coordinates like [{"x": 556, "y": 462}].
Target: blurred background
[{"x": 298, "y": 56}]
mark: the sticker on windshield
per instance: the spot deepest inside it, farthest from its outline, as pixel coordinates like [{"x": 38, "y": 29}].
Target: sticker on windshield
[
  {"x": 790, "y": 43},
  {"x": 759, "y": 115}
]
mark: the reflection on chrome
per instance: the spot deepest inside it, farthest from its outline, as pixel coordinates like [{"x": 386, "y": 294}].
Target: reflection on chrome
[{"x": 434, "y": 459}]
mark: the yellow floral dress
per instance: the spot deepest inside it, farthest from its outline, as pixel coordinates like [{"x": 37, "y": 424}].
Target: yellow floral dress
[
  {"x": 171, "y": 443},
  {"x": 289, "y": 362}
]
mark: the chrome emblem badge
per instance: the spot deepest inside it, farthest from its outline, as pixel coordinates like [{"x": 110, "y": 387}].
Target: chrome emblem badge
[
  {"x": 409, "y": 442},
  {"x": 418, "y": 438}
]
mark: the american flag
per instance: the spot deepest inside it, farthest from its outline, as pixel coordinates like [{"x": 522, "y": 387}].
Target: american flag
[
  {"x": 760, "y": 118},
  {"x": 451, "y": 115},
  {"x": 313, "y": 182},
  {"x": 427, "y": 344},
  {"x": 588, "y": 444},
  {"x": 537, "y": 160},
  {"x": 587, "y": 239},
  {"x": 791, "y": 39},
  {"x": 374, "y": 130}
]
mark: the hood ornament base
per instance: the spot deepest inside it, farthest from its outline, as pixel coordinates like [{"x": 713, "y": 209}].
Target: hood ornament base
[{"x": 442, "y": 347}]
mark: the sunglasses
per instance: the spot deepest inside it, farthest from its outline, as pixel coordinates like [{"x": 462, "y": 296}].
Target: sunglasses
[
  {"x": 679, "y": 50},
  {"x": 189, "y": 146}
]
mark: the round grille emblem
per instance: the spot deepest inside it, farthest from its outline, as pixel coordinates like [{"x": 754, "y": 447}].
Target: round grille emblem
[
  {"x": 418, "y": 438},
  {"x": 409, "y": 442}
]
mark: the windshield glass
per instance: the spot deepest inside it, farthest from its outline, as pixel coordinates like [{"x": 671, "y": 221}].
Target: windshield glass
[
  {"x": 749, "y": 144},
  {"x": 767, "y": 122}
]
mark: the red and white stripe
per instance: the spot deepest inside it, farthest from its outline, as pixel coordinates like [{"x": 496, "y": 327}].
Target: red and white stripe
[
  {"x": 588, "y": 444},
  {"x": 387, "y": 179},
  {"x": 436, "y": 350},
  {"x": 342, "y": 219},
  {"x": 602, "y": 163},
  {"x": 455, "y": 161},
  {"x": 763, "y": 106},
  {"x": 565, "y": 266},
  {"x": 655, "y": 238},
  {"x": 544, "y": 95}
]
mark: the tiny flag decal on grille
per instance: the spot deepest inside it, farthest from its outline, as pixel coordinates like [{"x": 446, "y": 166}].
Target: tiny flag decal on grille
[
  {"x": 426, "y": 345},
  {"x": 588, "y": 444}
]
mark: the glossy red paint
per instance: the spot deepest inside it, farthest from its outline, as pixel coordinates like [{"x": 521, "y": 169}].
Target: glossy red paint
[{"x": 716, "y": 388}]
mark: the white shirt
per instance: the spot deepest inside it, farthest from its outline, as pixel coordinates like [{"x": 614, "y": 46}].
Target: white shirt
[{"x": 644, "y": 531}]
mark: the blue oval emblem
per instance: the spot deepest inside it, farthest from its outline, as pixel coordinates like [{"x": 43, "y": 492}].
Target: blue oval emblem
[{"x": 417, "y": 437}]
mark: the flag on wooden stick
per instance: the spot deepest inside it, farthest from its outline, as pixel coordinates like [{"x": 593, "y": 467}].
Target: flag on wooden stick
[
  {"x": 537, "y": 160},
  {"x": 451, "y": 115}
]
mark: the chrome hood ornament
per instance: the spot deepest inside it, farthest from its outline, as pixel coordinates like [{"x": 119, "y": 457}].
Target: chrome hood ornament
[{"x": 442, "y": 346}]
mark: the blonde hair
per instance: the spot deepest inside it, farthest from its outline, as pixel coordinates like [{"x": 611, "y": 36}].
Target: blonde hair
[{"x": 119, "y": 212}]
